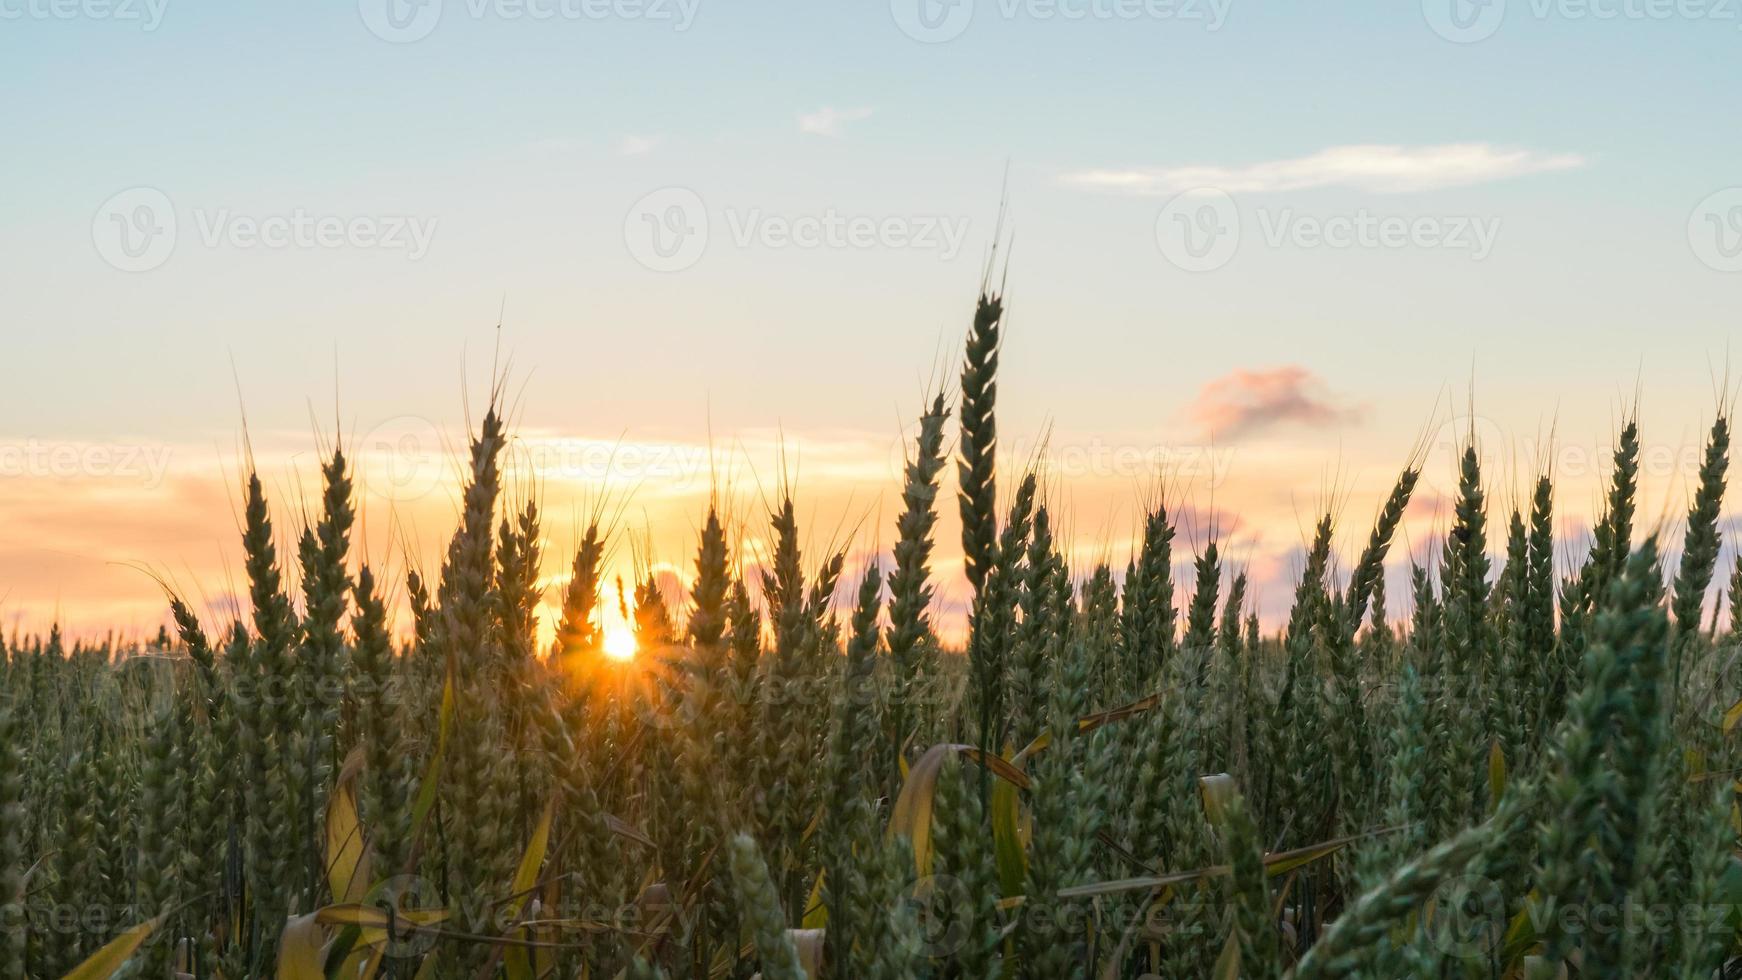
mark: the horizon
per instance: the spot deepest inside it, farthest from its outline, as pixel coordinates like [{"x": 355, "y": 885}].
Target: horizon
[{"x": 650, "y": 497}]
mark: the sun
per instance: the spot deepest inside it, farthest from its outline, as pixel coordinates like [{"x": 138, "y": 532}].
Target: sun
[{"x": 620, "y": 644}]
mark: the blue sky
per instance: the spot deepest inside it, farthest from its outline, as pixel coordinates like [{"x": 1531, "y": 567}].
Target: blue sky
[
  {"x": 509, "y": 131},
  {"x": 525, "y": 146}
]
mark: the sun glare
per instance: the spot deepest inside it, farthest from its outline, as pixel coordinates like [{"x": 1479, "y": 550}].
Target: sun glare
[{"x": 620, "y": 644}]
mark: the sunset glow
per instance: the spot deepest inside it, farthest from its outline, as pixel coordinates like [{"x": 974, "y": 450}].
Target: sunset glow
[{"x": 620, "y": 644}]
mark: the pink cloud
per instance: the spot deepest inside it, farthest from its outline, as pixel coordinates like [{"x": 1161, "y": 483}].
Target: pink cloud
[{"x": 1248, "y": 401}]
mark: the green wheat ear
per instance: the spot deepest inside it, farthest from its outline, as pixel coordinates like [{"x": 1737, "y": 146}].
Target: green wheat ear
[
  {"x": 577, "y": 633},
  {"x": 1148, "y": 615},
  {"x": 849, "y": 820},
  {"x": 762, "y": 910},
  {"x": 707, "y": 622},
  {"x": 910, "y": 640},
  {"x": 269, "y": 722},
  {"x": 1700, "y": 542},
  {"x": 13, "y": 934},
  {"x": 964, "y": 897},
  {"x": 1260, "y": 948},
  {"x": 387, "y": 772},
  {"x": 1536, "y": 624},
  {"x": 320, "y": 674},
  {"x": 1604, "y": 763},
  {"x": 1736, "y": 600},
  {"x": 1201, "y": 614},
  {"x": 979, "y": 442},
  {"x": 1352, "y": 938},
  {"x": 1369, "y": 572},
  {"x": 1704, "y": 953},
  {"x": 1470, "y": 642}
]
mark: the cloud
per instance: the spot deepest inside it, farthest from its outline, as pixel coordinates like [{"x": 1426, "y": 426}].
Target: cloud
[
  {"x": 1245, "y": 402},
  {"x": 1379, "y": 169},
  {"x": 828, "y": 120},
  {"x": 636, "y": 146}
]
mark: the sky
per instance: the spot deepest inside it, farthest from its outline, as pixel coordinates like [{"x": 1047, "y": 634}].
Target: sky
[{"x": 1255, "y": 256}]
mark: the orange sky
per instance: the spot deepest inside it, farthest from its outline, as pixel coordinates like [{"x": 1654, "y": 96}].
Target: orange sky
[{"x": 84, "y": 526}]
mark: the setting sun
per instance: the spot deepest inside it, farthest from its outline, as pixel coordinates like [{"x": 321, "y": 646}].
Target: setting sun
[{"x": 620, "y": 644}]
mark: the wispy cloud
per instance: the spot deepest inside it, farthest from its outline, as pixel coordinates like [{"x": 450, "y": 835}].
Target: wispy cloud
[
  {"x": 1246, "y": 401},
  {"x": 637, "y": 146},
  {"x": 828, "y": 121},
  {"x": 1380, "y": 169}
]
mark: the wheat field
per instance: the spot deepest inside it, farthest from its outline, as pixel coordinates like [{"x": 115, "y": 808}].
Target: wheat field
[{"x": 1524, "y": 768}]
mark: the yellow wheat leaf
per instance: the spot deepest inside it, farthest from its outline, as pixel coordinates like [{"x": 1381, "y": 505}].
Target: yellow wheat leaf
[{"x": 106, "y": 962}]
